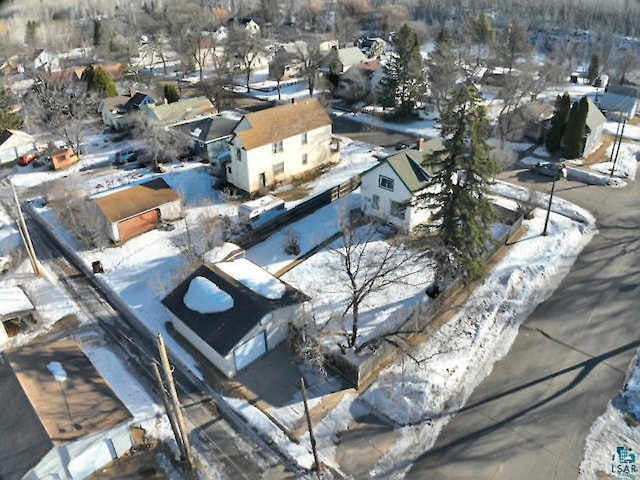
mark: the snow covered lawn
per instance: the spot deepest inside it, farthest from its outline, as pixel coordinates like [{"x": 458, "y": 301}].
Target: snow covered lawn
[{"x": 454, "y": 359}]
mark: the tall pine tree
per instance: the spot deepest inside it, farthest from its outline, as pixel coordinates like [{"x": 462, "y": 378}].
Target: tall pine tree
[
  {"x": 99, "y": 81},
  {"x": 403, "y": 82},
  {"x": 594, "y": 68},
  {"x": 576, "y": 127},
  {"x": 558, "y": 123},
  {"x": 442, "y": 71},
  {"x": 457, "y": 192}
]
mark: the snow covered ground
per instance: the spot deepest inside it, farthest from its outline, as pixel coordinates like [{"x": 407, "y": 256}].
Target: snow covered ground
[
  {"x": 420, "y": 398},
  {"x": 454, "y": 359}
]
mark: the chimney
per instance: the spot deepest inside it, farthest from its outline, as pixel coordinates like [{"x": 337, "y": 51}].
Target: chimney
[
  {"x": 420, "y": 144},
  {"x": 132, "y": 91}
]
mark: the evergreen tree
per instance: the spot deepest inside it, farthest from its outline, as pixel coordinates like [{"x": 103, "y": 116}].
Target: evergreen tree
[
  {"x": 30, "y": 34},
  {"x": 403, "y": 82},
  {"x": 594, "y": 68},
  {"x": 442, "y": 71},
  {"x": 457, "y": 192},
  {"x": 481, "y": 32},
  {"x": 171, "y": 93},
  {"x": 515, "y": 42},
  {"x": 576, "y": 127},
  {"x": 99, "y": 81},
  {"x": 97, "y": 33},
  {"x": 558, "y": 123},
  {"x": 8, "y": 118}
]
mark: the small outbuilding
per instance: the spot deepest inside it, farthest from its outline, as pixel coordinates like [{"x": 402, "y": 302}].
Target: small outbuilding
[
  {"x": 138, "y": 209},
  {"x": 14, "y": 305},
  {"x": 63, "y": 158},
  {"x": 233, "y": 312}
]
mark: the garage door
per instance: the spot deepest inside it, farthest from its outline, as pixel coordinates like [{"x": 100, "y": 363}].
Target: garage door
[
  {"x": 249, "y": 351},
  {"x": 137, "y": 225}
]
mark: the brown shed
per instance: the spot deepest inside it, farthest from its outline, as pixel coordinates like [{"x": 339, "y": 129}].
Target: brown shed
[
  {"x": 63, "y": 158},
  {"x": 138, "y": 209}
]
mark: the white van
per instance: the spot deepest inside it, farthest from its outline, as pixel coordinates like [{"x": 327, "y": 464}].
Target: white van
[{"x": 261, "y": 210}]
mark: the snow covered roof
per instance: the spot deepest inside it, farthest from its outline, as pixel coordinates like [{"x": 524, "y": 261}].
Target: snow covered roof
[
  {"x": 208, "y": 129},
  {"x": 37, "y": 413},
  {"x": 13, "y": 302},
  {"x": 180, "y": 111},
  {"x": 254, "y": 277},
  {"x": 223, "y": 330},
  {"x": 284, "y": 121}
]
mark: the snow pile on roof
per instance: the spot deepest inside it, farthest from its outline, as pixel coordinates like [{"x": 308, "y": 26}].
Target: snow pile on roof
[
  {"x": 204, "y": 296},
  {"x": 13, "y": 300},
  {"x": 221, "y": 252},
  {"x": 253, "y": 277},
  {"x": 58, "y": 371}
]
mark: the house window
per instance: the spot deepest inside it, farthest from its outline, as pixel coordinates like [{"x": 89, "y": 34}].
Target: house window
[
  {"x": 385, "y": 182},
  {"x": 398, "y": 210},
  {"x": 278, "y": 168},
  {"x": 277, "y": 147},
  {"x": 305, "y": 158},
  {"x": 238, "y": 155},
  {"x": 305, "y": 138},
  {"x": 375, "y": 203}
]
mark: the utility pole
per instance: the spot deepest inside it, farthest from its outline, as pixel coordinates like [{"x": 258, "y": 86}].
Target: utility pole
[
  {"x": 615, "y": 139},
  {"x": 24, "y": 233},
  {"x": 546, "y": 220},
  {"x": 182, "y": 426},
  {"x": 613, "y": 167},
  {"x": 314, "y": 449},
  {"x": 169, "y": 410}
]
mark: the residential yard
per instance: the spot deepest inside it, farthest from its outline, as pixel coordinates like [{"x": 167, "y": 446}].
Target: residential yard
[{"x": 415, "y": 395}]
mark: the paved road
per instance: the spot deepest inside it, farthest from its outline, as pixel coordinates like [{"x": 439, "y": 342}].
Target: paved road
[
  {"x": 370, "y": 133},
  {"x": 530, "y": 417}
]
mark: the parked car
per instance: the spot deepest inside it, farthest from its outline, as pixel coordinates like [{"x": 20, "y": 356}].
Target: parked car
[
  {"x": 42, "y": 160},
  {"x": 125, "y": 156},
  {"x": 27, "y": 158},
  {"x": 548, "y": 169}
]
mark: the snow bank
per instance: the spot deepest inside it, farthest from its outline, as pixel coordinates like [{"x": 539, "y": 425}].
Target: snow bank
[{"x": 459, "y": 355}]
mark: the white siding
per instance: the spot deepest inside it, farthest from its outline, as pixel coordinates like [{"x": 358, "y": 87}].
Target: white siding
[
  {"x": 246, "y": 174},
  {"x": 221, "y": 363},
  {"x": 171, "y": 211},
  {"x": 370, "y": 186},
  {"x": 84, "y": 456}
]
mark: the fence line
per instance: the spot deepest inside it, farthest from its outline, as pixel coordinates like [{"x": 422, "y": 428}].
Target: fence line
[{"x": 301, "y": 210}]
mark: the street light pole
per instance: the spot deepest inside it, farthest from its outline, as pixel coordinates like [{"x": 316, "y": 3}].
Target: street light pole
[
  {"x": 546, "y": 220},
  {"x": 613, "y": 167}
]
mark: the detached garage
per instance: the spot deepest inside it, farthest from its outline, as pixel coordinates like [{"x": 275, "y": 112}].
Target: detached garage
[
  {"x": 233, "y": 312},
  {"x": 14, "y": 144},
  {"x": 136, "y": 210}
]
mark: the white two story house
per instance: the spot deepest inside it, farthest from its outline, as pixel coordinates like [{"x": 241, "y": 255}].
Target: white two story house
[
  {"x": 277, "y": 144},
  {"x": 389, "y": 189}
]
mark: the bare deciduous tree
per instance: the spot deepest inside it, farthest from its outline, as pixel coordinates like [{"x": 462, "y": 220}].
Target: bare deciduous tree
[
  {"x": 368, "y": 267},
  {"x": 247, "y": 50},
  {"x": 61, "y": 107}
]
